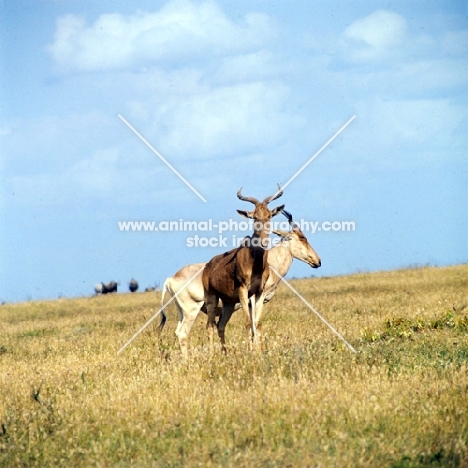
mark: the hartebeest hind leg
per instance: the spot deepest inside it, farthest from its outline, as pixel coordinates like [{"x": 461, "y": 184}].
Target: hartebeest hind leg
[{"x": 188, "y": 313}]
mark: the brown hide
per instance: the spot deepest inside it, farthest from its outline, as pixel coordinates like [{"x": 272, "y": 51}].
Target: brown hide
[{"x": 225, "y": 273}]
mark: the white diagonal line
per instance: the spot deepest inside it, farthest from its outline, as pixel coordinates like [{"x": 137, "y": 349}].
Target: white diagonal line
[
  {"x": 160, "y": 156},
  {"x": 161, "y": 309},
  {"x": 313, "y": 310},
  {"x": 317, "y": 153}
]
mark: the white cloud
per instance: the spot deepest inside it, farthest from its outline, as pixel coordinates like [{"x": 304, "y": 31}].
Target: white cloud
[
  {"x": 236, "y": 104},
  {"x": 409, "y": 133},
  {"x": 181, "y": 30},
  {"x": 223, "y": 101},
  {"x": 55, "y": 160},
  {"x": 227, "y": 121},
  {"x": 380, "y": 55},
  {"x": 375, "y": 36},
  {"x": 414, "y": 77},
  {"x": 247, "y": 67}
]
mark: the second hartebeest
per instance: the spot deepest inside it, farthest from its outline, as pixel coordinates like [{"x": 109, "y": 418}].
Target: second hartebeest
[{"x": 241, "y": 274}]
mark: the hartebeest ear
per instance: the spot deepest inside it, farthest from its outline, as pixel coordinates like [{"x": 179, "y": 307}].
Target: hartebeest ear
[
  {"x": 246, "y": 214},
  {"x": 277, "y": 210}
]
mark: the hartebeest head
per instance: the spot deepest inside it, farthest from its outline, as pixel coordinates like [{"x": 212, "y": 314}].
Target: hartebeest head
[
  {"x": 261, "y": 214},
  {"x": 298, "y": 243}
]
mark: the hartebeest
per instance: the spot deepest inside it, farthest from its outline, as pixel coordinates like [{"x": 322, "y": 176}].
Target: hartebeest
[
  {"x": 241, "y": 273},
  {"x": 190, "y": 300}
]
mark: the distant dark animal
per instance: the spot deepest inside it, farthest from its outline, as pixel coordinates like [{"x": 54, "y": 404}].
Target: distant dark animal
[
  {"x": 150, "y": 289},
  {"x": 133, "y": 285},
  {"x": 102, "y": 288},
  {"x": 109, "y": 288}
]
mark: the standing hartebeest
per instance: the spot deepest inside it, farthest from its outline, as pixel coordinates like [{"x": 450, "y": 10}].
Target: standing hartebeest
[
  {"x": 241, "y": 273},
  {"x": 190, "y": 299}
]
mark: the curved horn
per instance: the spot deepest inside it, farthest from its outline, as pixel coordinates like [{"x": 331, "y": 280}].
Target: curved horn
[
  {"x": 249, "y": 199},
  {"x": 290, "y": 218},
  {"x": 274, "y": 196}
]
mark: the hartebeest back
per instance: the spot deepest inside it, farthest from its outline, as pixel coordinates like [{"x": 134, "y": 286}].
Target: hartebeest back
[{"x": 241, "y": 273}]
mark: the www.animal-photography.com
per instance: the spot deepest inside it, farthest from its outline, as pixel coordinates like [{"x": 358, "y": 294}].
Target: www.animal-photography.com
[{"x": 233, "y": 234}]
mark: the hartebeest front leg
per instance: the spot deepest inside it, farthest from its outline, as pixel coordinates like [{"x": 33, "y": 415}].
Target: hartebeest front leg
[
  {"x": 244, "y": 301},
  {"x": 253, "y": 320},
  {"x": 258, "y": 301},
  {"x": 211, "y": 301}
]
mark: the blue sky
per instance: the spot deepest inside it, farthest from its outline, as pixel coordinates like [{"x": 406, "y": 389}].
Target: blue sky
[{"x": 232, "y": 94}]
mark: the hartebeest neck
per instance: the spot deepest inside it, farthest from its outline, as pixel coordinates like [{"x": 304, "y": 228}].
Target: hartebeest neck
[
  {"x": 260, "y": 237},
  {"x": 280, "y": 257},
  {"x": 262, "y": 217}
]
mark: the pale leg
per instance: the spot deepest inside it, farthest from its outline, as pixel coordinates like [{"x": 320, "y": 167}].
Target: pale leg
[
  {"x": 244, "y": 301},
  {"x": 187, "y": 314},
  {"x": 253, "y": 321},
  {"x": 258, "y": 319}
]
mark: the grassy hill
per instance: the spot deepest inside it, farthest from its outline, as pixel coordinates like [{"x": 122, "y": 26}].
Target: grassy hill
[{"x": 67, "y": 398}]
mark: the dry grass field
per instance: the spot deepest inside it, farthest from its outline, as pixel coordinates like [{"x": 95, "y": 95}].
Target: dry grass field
[{"x": 67, "y": 399}]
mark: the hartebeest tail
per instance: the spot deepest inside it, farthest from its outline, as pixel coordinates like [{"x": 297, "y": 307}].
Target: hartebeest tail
[{"x": 163, "y": 315}]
